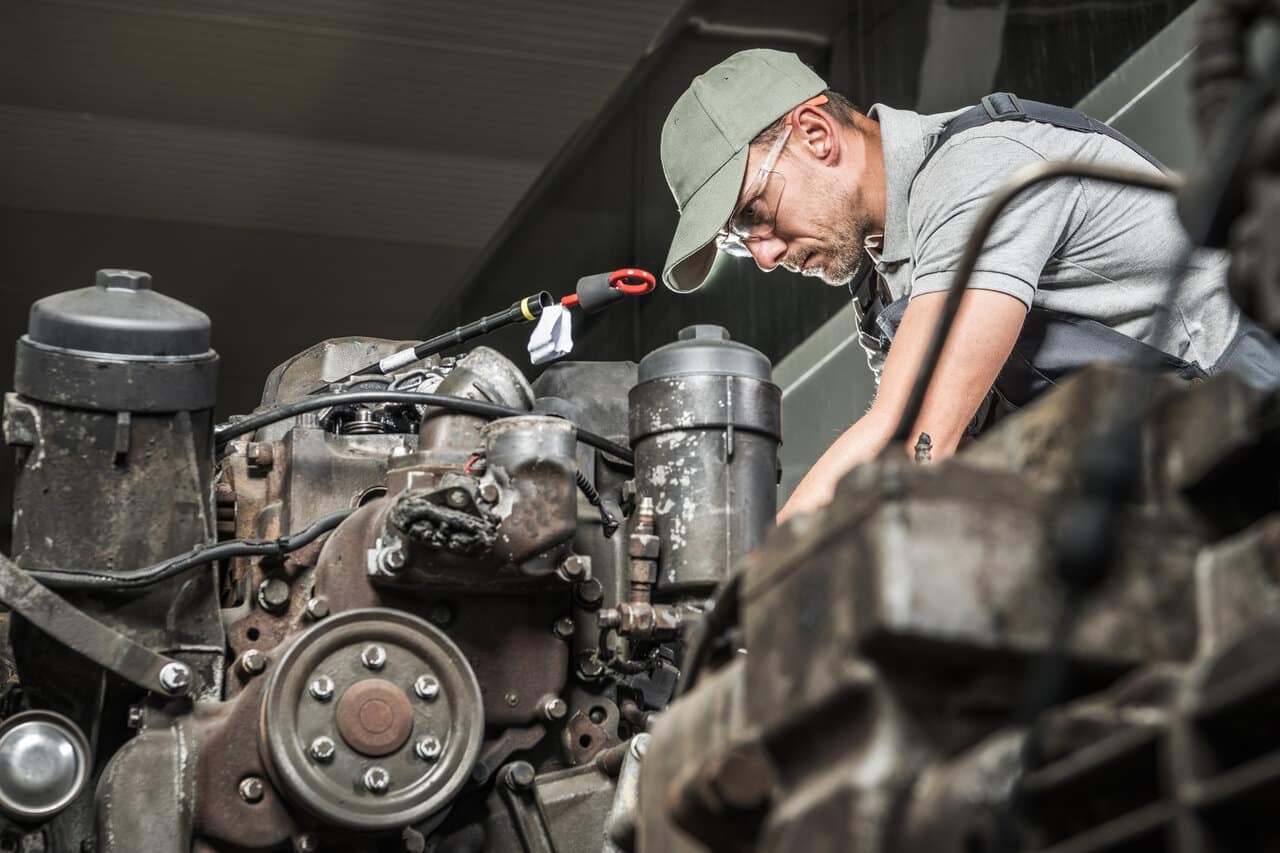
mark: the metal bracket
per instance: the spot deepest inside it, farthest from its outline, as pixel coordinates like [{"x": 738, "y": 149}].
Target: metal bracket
[{"x": 74, "y": 628}]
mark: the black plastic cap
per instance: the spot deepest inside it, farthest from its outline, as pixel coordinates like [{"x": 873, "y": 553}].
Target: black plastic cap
[
  {"x": 705, "y": 349},
  {"x": 120, "y": 315}
]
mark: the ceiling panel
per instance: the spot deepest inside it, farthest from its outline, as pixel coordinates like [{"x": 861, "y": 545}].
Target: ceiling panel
[{"x": 124, "y": 167}]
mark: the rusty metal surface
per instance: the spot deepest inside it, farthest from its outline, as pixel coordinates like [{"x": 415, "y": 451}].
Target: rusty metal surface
[{"x": 375, "y": 717}]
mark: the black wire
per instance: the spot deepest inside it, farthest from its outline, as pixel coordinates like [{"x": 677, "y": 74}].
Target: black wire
[
  {"x": 199, "y": 556},
  {"x": 607, "y": 521},
  {"x": 224, "y": 432}
]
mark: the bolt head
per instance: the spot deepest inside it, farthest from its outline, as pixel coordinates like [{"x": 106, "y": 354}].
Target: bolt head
[
  {"x": 175, "y": 677},
  {"x": 489, "y": 493},
  {"x": 321, "y": 688},
  {"x": 456, "y": 498},
  {"x": 427, "y": 687},
  {"x": 251, "y": 789},
  {"x": 589, "y": 666},
  {"x": 429, "y": 748},
  {"x": 576, "y": 567},
  {"x": 519, "y": 775},
  {"x": 563, "y": 628},
  {"x": 318, "y": 607},
  {"x": 512, "y": 698},
  {"x": 374, "y": 656},
  {"x": 377, "y": 780},
  {"x": 392, "y": 559},
  {"x": 322, "y": 749},
  {"x": 253, "y": 662},
  {"x": 273, "y": 595},
  {"x": 555, "y": 709},
  {"x": 135, "y": 717},
  {"x": 306, "y": 843},
  {"x": 589, "y": 592}
]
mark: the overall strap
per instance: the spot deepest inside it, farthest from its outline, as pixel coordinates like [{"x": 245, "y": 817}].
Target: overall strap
[{"x": 1003, "y": 106}]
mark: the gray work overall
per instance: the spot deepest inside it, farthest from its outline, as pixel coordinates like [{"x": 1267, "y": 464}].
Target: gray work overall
[{"x": 1052, "y": 344}]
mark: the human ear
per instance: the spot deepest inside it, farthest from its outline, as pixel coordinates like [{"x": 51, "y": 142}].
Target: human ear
[{"x": 818, "y": 133}]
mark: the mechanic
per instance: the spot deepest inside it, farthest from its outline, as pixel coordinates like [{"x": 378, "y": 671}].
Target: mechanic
[{"x": 764, "y": 160}]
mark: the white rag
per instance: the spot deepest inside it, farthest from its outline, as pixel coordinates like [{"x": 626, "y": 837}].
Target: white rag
[{"x": 552, "y": 338}]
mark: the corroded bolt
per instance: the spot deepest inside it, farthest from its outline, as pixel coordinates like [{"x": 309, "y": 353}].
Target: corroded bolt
[
  {"x": 273, "y": 595},
  {"x": 489, "y": 493},
  {"x": 251, "y": 789},
  {"x": 427, "y": 687},
  {"x": 456, "y": 498},
  {"x": 576, "y": 567},
  {"x": 373, "y": 656},
  {"x": 563, "y": 628},
  {"x": 253, "y": 662},
  {"x": 377, "y": 780},
  {"x": 175, "y": 677},
  {"x": 589, "y": 592},
  {"x": 322, "y": 749},
  {"x": 429, "y": 748},
  {"x": 322, "y": 688},
  {"x": 555, "y": 709},
  {"x": 318, "y": 607}
]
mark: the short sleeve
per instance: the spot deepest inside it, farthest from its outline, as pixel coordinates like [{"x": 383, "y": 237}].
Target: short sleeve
[{"x": 949, "y": 196}]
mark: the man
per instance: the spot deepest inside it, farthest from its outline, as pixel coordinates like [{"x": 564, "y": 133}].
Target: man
[{"x": 765, "y": 161}]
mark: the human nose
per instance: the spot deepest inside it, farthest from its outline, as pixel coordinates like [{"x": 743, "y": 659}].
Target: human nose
[{"x": 768, "y": 252}]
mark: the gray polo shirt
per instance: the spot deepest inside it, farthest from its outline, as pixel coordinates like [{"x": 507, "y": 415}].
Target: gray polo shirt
[{"x": 1095, "y": 250}]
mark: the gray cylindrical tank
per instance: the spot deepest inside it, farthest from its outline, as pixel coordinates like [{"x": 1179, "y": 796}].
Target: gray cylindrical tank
[
  {"x": 113, "y": 427},
  {"x": 705, "y": 425}
]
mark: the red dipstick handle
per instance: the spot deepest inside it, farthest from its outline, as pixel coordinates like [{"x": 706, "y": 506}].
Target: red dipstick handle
[{"x": 633, "y": 282}]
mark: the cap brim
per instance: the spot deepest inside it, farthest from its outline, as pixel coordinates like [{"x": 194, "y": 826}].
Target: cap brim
[{"x": 693, "y": 247}]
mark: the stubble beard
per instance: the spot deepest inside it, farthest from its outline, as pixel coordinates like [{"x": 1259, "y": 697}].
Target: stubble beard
[{"x": 844, "y": 256}]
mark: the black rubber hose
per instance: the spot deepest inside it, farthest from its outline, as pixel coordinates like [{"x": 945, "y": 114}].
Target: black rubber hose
[
  {"x": 224, "y": 432},
  {"x": 199, "y": 556}
]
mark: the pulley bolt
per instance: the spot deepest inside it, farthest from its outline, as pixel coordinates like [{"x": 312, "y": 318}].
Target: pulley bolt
[
  {"x": 427, "y": 687},
  {"x": 175, "y": 677},
  {"x": 273, "y": 595},
  {"x": 322, "y": 749},
  {"x": 457, "y": 498},
  {"x": 253, "y": 662},
  {"x": 251, "y": 789},
  {"x": 563, "y": 628},
  {"x": 555, "y": 709},
  {"x": 377, "y": 780},
  {"x": 429, "y": 748},
  {"x": 373, "y": 657},
  {"x": 318, "y": 607},
  {"x": 322, "y": 688}
]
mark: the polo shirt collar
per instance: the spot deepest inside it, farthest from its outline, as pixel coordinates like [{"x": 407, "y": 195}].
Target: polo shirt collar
[{"x": 902, "y": 137}]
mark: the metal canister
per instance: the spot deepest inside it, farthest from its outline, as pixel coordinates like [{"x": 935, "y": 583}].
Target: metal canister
[{"x": 705, "y": 424}]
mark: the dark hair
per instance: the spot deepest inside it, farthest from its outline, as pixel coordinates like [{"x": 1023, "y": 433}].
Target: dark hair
[{"x": 837, "y": 106}]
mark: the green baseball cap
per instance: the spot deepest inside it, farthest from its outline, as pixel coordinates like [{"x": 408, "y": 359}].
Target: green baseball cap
[{"x": 705, "y": 142}]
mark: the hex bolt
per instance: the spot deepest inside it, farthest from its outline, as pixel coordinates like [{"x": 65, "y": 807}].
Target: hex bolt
[
  {"x": 512, "y": 698},
  {"x": 456, "y": 498},
  {"x": 575, "y": 568},
  {"x": 563, "y": 628},
  {"x": 273, "y": 595},
  {"x": 305, "y": 843},
  {"x": 261, "y": 454},
  {"x": 555, "y": 709},
  {"x": 589, "y": 593},
  {"x": 322, "y": 688},
  {"x": 373, "y": 656},
  {"x": 391, "y": 559},
  {"x": 322, "y": 749},
  {"x": 251, "y": 789},
  {"x": 253, "y": 662},
  {"x": 318, "y": 607},
  {"x": 489, "y": 493},
  {"x": 175, "y": 677},
  {"x": 518, "y": 775},
  {"x": 377, "y": 780},
  {"x": 427, "y": 687},
  {"x": 589, "y": 666},
  {"x": 429, "y": 748}
]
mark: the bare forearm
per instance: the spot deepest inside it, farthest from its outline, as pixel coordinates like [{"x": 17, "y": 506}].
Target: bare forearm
[{"x": 856, "y": 445}]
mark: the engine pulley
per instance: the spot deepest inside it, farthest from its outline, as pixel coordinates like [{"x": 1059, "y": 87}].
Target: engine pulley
[{"x": 371, "y": 720}]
